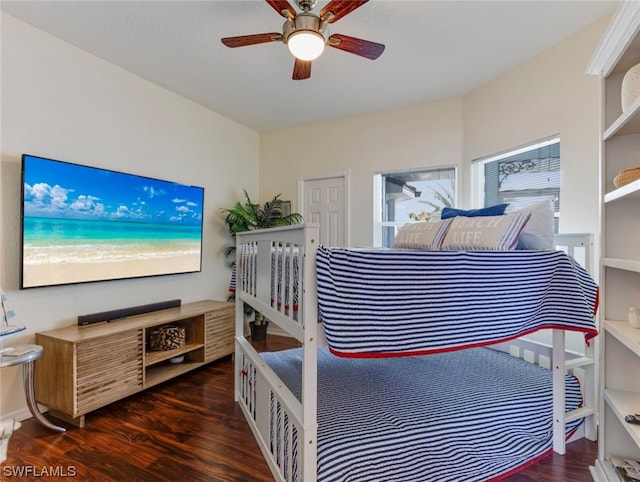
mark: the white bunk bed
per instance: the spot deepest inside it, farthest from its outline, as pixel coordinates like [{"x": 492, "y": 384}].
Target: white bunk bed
[{"x": 276, "y": 275}]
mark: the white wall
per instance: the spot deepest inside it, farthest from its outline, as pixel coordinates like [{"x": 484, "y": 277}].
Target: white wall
[
  {"x": 550, "y": 94},
  {"x": 63, "y": 103},
  {"x": 414, "y": 137}
]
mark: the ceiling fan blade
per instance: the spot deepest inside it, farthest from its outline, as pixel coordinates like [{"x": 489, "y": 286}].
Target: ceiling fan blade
[
  {"x": 301, "y": 69},
  {"x": 244, "y": 40},
  {"x": 363, "y": 48},
  {"x": 282, "y": 6},
  {"x": 336, "y": 9}
]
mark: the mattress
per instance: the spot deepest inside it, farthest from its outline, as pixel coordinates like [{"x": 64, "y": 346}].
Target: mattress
[{"x": 472, "y": 415}]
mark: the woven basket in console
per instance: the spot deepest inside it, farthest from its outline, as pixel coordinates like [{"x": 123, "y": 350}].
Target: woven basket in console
[
  {"x": 167, "y": 338},
  {"x": 626, "y": 176}
]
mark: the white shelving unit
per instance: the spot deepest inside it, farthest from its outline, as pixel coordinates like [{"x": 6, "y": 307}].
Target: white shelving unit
[{"x": 620, "y": 245}]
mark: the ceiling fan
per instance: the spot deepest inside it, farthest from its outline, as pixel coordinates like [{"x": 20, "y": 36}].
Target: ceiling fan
[{"x": 306, "y": 34}]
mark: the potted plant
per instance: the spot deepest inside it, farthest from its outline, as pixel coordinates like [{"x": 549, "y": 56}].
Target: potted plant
[{"x": 248, "y": 216}]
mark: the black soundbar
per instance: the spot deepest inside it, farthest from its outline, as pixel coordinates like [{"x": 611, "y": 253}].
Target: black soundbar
[{"x": 115, "y": 315}]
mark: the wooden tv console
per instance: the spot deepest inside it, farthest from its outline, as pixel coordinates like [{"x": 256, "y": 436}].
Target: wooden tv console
[{"x": 84, "y": 368}]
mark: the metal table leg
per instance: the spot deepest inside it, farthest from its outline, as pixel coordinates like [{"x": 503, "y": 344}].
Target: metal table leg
[{"x": 31, "y": 398}]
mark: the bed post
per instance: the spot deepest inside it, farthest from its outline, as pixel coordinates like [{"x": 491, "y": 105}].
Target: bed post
[
  {"x": 309, "y": 309},
  {"x": 237, "y": 359},
  {"x": 558, "y": 392}
]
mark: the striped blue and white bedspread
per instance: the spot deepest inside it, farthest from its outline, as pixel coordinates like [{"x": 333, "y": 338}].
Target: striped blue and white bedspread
[
  {"x": 471, "y": 415},
  {"x": 382, "y": 303}
]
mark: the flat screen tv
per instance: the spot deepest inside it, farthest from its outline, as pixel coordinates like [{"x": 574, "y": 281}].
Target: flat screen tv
[{"x": 83, "y": 224}]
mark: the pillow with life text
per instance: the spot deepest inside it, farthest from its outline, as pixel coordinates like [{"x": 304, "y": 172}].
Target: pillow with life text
[
  {"x": 426, "y": 235},
  {"x": 485, "y": 232}
]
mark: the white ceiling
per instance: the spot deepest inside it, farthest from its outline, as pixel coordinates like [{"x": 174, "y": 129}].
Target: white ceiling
[{"x": 434, "y": 50}]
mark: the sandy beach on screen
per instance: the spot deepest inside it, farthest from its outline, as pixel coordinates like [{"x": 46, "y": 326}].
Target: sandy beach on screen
[{"x": 39, "y": 274}]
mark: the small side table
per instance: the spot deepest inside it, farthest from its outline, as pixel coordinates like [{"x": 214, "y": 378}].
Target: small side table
[{"x": 26, "y": 359}]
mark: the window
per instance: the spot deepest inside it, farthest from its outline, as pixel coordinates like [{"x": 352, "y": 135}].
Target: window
[
  {"x": 410, "y": 196},
  {"x": 520, "y": 177}
]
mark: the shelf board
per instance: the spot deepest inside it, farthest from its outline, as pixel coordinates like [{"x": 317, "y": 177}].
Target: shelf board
[
  {"x": 629, "y": 190},
  {"x": 623, "y": 403},
  {"x": 627, "y": 123},
  {"x": 161, "y": 373},
  {"x": 154, "y": 357},
  {"x": 628, "y": 336},
  {"x": 625, "y": 264}
]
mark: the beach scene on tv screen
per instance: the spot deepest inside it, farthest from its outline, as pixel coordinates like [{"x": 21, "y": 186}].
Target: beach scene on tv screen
[{"x": 83, "y": 224}]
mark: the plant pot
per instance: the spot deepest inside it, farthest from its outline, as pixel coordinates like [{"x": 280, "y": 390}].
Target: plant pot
[{"x": 259, "y": 332}]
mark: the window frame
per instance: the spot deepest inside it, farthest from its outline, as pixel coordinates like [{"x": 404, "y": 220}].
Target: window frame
[
  {"x": 477, "y": 169},
  {"x": 378, "y": 223}
]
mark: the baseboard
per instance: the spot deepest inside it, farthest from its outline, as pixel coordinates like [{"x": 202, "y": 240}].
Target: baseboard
[
  {"x": 19, "y": 415},
  {"x": 601, "y": 473}
]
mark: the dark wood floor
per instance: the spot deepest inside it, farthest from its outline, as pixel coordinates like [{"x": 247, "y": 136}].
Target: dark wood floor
[{"x": 188, "y": 429}]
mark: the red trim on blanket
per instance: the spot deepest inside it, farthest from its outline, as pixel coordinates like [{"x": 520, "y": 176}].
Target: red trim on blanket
[
  {"x": 589, "y": 334},
  {"x": 529, "y": 463}
]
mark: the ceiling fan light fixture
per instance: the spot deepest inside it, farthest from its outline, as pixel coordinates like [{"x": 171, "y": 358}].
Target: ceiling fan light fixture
[
  {"x": 305, "y": 35},
  {"x": 306, "y": 44}
]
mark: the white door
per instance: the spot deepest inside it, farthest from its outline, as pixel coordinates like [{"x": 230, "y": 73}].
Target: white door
[{"x": 325, "y": 202}]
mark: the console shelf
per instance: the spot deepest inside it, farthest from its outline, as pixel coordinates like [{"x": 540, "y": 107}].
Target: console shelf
[
  {"x": 83, "y": 368},
  {"x": 167, "y": 370},
  {"x": 153, "y": 357}
]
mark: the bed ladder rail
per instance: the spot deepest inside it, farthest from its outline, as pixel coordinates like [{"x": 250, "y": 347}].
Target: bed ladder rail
[
  {"x": 580, "y": 246},
  {"x": 578, "y": 362},
  {"x": 560, "y": 367},
  {"x": 581, "y": 412},
  {"x": 579, "y": 365}
]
